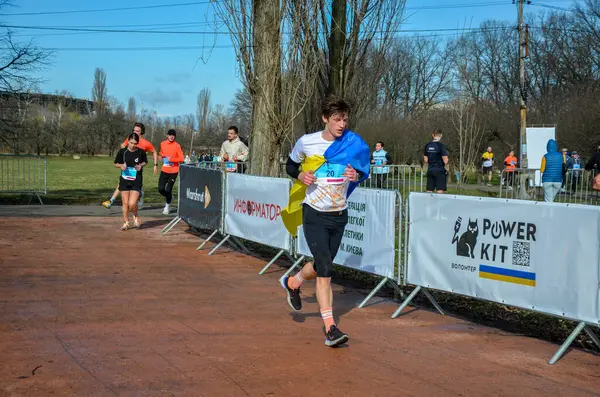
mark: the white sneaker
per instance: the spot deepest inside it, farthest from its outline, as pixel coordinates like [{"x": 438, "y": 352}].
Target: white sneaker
[
  {"x": 166, "y": 210},
  {"x": 137, "y": 222}
]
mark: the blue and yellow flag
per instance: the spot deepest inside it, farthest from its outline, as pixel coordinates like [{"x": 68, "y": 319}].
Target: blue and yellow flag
[{"x": 347, "y": 149}]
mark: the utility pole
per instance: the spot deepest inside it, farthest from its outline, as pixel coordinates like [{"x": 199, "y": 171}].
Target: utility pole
[
  {"x": 523, "y": 88},
  {"x": 523, "y": 192}
]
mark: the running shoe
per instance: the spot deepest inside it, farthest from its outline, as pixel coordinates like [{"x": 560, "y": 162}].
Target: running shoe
[
  {"x": 106, "y": 204},
  {"x": 136, "y": 221},
  {"x": 293, "y": 295},
  {"x": 166, "y": 210},
  {"x": 125, "y": 226},
  {"x": 335, "y": 337}
]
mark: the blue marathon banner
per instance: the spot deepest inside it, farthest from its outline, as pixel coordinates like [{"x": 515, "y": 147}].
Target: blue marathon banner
[{"x": 201, "y": 197}]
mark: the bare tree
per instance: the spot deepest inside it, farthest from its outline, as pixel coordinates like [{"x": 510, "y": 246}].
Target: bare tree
[
  {"x": 131, "y": 109},
  {"x": 241, "y": 110},
  {"x": 368, "y": 26},
  {"x": 464, "y": 112},
  {"x": 278, "y": 74},
  {"x": 18, "y": 62},
  {"x": 99, "y": 93},
  {"x": 202, "y": 111},
  {"x": 61, "y": 138}
]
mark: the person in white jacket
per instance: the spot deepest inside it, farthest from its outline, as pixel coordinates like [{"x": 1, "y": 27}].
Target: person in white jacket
[{"x": 233, "y": 150}]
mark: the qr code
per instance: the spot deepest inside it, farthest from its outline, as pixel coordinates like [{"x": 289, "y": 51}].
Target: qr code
[{"x": 520, "y": 254}]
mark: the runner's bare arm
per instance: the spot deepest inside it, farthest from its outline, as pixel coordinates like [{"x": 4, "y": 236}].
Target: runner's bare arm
[{"x": 155, "y": 155}]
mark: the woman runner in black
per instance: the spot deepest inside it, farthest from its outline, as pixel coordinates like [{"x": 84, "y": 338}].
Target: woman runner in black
[{"x": 131, "y": 160}]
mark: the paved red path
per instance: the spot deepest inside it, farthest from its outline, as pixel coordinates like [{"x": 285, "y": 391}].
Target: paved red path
[{"x": 101, "y": 312}]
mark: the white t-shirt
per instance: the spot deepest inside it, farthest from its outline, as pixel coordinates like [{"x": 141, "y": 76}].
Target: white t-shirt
[{"x": 329, "y": 192}]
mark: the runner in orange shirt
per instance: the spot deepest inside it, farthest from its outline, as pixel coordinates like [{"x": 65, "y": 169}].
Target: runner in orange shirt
[
  {"x": 511, "y": 164},
  {"x": 146, "y": 146},
  {"x": 172, "y": 156}
]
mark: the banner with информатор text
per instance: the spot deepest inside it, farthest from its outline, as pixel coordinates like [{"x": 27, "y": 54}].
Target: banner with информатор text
[
  {"x": 200, "y": 197},
  {"x": 253, "y": 211},
  {"x": 369, "y": 238},
  {"x": 537, "y": 256}
]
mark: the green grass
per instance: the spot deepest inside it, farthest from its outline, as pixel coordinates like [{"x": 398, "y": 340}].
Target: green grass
[{"x": 89, "y": 180}]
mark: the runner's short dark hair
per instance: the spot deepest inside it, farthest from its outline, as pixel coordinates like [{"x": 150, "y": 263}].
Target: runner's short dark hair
[
  {"x": 142, "y": 127},
  {"x": 437, "y": 132},
  {"x": 334, "y": 105},
  {"x": 133, "y": 136},
  {"x": 233, "y": 127},
  {"x": 381, "y": 143}
]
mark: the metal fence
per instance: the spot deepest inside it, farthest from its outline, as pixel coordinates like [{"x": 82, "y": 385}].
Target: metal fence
[
  {"x": 526, "y": 184},
  {"x": 23, "y": 174},
  {"x": 403, "y": 178}
]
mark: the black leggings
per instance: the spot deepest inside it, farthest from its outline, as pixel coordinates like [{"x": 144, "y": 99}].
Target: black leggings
[
  {"x": 323, "y": 232},
  {"x": 165, "y": 185}
]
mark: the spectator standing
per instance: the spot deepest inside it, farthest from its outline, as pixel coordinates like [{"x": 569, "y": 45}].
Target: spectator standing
[
  {"x": 593, "y": 164},
  {"x": 233, "y": 150},
  {"x": 552, "y": 171},
  {"x": 574, "y": 167},
  {"x": 436, "y": 158},
  {"x": 380, "y": 158}
]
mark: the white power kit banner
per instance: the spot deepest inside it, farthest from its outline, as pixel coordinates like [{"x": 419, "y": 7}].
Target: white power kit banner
[
  {"x": 369, "y": 239},
  {"x": 538, "y": 256},
  {"x": 253, "y": 211}
]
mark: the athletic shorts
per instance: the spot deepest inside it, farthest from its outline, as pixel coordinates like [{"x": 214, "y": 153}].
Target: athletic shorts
[
  {"x": 125, "y": 185},
  {"x": 436, "y": 180},
  {"x": 323, "y": 232},
  {"x": 487, "y": 170}
]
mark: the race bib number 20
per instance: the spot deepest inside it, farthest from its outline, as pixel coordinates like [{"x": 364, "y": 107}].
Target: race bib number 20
[{"x": 330, "y": 174}]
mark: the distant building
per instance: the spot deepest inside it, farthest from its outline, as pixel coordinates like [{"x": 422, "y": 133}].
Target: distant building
[{"x": 83, "y": 107}]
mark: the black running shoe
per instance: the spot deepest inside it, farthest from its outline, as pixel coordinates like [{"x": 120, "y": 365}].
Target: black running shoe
[
  {"x": 293, "y": 295},
  {"x": 335, "y": 337}
]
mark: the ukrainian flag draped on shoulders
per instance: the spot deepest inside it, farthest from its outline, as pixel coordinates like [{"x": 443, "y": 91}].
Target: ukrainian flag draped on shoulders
[{"x": 349, "y": 148}]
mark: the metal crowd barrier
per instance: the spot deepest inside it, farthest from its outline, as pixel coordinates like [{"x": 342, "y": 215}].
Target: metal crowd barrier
[
  {"x": 23, "y": 174},
  {"x": 225, "y": 166},
  {"x": 254, "y": 227},
  {"x": 526, "y": 184},
  {"x": 402, "y": 178}
]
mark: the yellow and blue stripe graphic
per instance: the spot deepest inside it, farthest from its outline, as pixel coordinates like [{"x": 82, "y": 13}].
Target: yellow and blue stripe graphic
[{"x": 507, "y": 275}]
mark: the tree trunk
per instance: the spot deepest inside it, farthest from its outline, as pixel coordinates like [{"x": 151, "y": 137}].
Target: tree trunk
[
  {"x": 337, "y": 46},
  {"x": 266, "y": 133}
]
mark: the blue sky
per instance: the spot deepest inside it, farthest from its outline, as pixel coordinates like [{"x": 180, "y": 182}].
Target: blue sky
[{"x": 169, "y": 80}]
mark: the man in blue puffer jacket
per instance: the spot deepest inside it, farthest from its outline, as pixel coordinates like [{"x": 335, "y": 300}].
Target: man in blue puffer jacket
[{"x": 552, "y": 171}]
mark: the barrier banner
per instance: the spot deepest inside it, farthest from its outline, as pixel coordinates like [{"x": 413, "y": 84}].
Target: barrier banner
[
  {"x": 369, "y": 239},
  {"x": 200, "y": 196},
  {"x": 254, "y": 205},
  {"x": 538, "y": 256}
]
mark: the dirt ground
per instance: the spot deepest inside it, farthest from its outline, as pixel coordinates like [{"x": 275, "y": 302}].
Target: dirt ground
[{"x": 88, "y": 310}]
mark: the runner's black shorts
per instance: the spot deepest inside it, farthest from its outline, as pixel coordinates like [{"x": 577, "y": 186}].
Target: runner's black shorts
[
  {"x": 487, "y": 170},
  {"x": 125, "y": 185},
  {"x": 436, "y": 180},
  {"x": 323, "y": 232}
]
